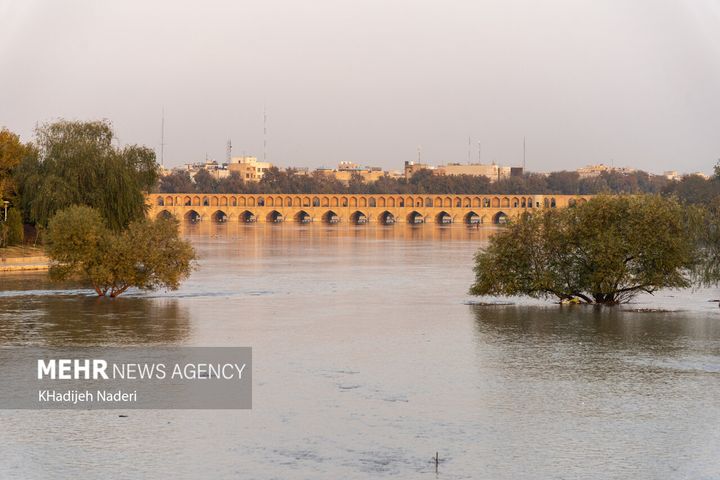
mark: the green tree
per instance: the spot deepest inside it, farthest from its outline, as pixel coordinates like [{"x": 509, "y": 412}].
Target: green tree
[
  {"x": 77, "y": 164},
  {"x": 11, "y": 231},
  {"x": 12, "y": 152},
  {"x": 604, "y": 251},
  {"x": 149, "y": 254}
]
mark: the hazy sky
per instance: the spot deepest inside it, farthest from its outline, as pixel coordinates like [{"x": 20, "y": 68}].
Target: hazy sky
[{"x": 634, "y": 82}]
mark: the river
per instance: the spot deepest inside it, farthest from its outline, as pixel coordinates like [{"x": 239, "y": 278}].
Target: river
[{"x": 369, "y": 357}]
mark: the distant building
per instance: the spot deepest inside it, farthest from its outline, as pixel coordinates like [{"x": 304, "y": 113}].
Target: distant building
[
  {"x": 595, "y": 170},
  {"x": 249, "y": 168},
  {"x": 346, "y": 170},
  {"x": 492, "y": 171}
]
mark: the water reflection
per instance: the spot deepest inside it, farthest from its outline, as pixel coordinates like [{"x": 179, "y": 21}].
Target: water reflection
[
  {"x": 320, "y": 230},
  {"x": 84, "y": 320},
  {"x": 598, "y": 340}
]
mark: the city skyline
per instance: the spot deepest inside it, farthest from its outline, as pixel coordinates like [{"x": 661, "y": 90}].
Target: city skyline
[{"x": 623, "y": 83}]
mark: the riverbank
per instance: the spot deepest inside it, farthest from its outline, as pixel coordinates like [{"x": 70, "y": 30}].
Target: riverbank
[{"x": 23, "y": 258}]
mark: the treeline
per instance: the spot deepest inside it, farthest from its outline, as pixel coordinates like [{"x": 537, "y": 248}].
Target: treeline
[{"x": 692, "y": 189}]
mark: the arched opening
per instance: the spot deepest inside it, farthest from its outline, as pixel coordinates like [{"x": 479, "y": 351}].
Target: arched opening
[
  {"x": 486, "y": 203},
  {"x": 372, "y": 202},
  {"x": 206, "y": 202},
  {"x": 386, "y": 218},
  {"x": 214, "y": 201},
  {"x": 325, "y": 202},
  {"x": 552, "y": 203},
  {"x": 473, "y": 218},
  {"x": 315, "y": 202},
  {"x": 270, "y": 202},
  {"x": 428, "y": 202},
  {"x": 219, "y": 217},
  {"x": 192, "y": 216},
  {"x": 443, "y": 218},
  {"x": 505, "y": 202},
  {"x": 415, "y": 218},
  {"x": 358, "y": 218},
  {"x": 160, "y": 202},
  {"x": 500, "y": 218},
  {"x": 247, "y": 217},
  {"x": 233, "y": 201},
  {"x": 223, "y": 201},
  {"x": 306, "y": 202},
  {"x": 571, "y": 202},
  {"x": 164, "y": 215},
  {"x": 274, "y": 217},
  {"x": 168, "y": 201},
  {"x": 261, "y": 202},
  {"x": 330, "y": 217},
  {"x": 303, "y": 217}
]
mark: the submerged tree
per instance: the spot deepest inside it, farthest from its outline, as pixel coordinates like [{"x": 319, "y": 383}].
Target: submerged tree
[
  {"x": 76, "y": 163},
  {"x": 604, "y": 251},
  {"x": 149, "y": 254}
]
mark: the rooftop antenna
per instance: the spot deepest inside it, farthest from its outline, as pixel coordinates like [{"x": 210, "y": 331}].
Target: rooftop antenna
[
  {"x": 419, "y": 150},
  {"x": 469, "y": 149},
  {"x": 479, "y": 152},
  {"x": 228, "y": 151},
  {"x": 162, "y": 138},
  {"x": 523, "y": 154}
]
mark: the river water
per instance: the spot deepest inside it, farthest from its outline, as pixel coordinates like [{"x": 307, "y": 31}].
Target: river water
[{"x": 368, "y": 357}]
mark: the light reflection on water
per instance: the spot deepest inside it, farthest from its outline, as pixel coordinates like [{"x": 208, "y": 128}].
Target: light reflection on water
[{"x": 368, "y": 359}]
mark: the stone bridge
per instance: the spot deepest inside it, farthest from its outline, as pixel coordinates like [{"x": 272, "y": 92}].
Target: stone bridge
[{"x": 355, "y": 209}]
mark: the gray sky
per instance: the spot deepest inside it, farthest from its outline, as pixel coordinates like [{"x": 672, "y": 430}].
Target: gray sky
[{"x": 636, "y": 82}]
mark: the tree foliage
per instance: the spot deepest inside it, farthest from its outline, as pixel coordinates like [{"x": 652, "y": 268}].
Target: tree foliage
[
  {"x": 77, "y": 164},
  {"x": 149, "y": 254},
  {"x": 11, "y": 230},
  {"x": 604, "y": 251},
  {"x": 12, "y": 152}
]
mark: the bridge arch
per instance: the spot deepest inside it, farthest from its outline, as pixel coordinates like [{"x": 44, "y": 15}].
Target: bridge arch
[
  {"x": 164, "y": 214},
  {"x": 415, "y": 218},
  {"x": 386, "y": 218},
  {"x": 330, "y": 217},
  {"x": 247, "y": 217},
  {"x": 443, "y": 218},
  {"x": 192, "y": 216},
  {"x": 358, "y": 218},
  {"x": 472, "y": 218},
  {"x": 303, "y": 217},
  {"x": 274, "y": 217},
  {"x": 500, "y": 218},
  {"x": 219, "y": 216}
]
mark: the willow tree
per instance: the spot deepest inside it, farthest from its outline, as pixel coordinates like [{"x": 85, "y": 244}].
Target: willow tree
[
  {"x": 148, "y": 254},
  {"x": 604, "y": 251},
  {"x": 76, "y": 163}
]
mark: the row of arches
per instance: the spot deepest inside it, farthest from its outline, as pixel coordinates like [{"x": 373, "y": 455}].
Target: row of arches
[
  {"x": 358, "y": 217},
  {"x": 358, "y": 201}
]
